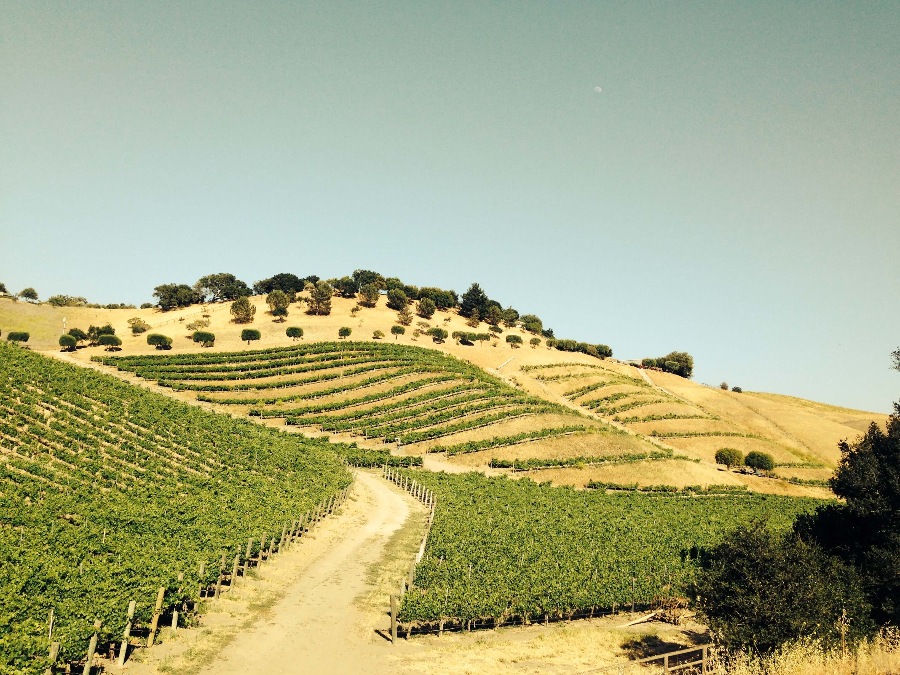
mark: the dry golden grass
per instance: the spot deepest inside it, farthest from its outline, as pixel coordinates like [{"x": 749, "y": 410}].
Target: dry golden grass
[
  {"x": 880, "y": 656},
  {"x": 705, "y": 447},
  {"x": 793, "y": 430}
]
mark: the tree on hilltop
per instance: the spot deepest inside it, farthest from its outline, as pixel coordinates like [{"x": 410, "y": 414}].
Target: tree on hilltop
[
  {"x": 320, "y": 298},
  {"x": 474, "y": 300},
  {"x": 242, "y": 310},
  {"x": 290, "y": 284},
  {"x": 345, "y": 287},
  {"x": 221, "y": 287},
  {"x": 29, "y": 294},
  {"x": 405, "y": 317},
  {"x": 532, "y": 324},
  {"x": 365, "y": 277},
  {"x": 426, "y": 308},
  {"x": 172, "y": 296},
  {"x": 397, "y": 299},
  {"x": 278, "y": 302},
  {"x": 3, "y": 290},
  {"x": 369, "y": 294}
]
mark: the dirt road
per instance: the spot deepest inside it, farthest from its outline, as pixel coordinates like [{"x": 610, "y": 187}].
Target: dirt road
[{"x": 318, "y": 626}]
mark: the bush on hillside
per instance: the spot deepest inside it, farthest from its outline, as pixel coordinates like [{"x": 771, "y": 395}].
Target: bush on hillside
[
  {"x": 67, "y": 342},
  {"x": 426, "y": 308},
  {"x": 759, "y": 460},
  {"x": 111, "y": 342},
  {"x": 377, "y": 335},
  {"x": 397, "y": 330},
  {"x": 729, "y": 457},
  {"x": 514, "y": 341},
  {"x": 677, "y": 363},
  {"x": 344, "y": 332},
  {"x": 249, "y": 335},
  {"x": 204, "y": 338},
  {"x": 397, "y": 299},
  {"x": 242, "y": 310},
  {"x": 534, "y": 342},
  {"x": 437, "y": 334},
  {"x": 757, "y": 590},
  {"x": 95, "y": 332},
  {"x": 369, "y": 294},
  {"x": 294, "y": 332},
  {"x": 138, "y": 325},
  {"x": 737, "y": 390},
  {"x": 159, "y": 341}
]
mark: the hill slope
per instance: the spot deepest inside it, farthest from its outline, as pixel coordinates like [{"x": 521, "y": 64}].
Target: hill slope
[
  {"x": 108, "y": 491},
  {"x": 658, "y": 411}
]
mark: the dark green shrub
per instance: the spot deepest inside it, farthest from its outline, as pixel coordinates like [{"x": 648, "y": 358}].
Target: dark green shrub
[
  {"x": 159, "y": 341},
  {"x": 759, "y": 460},
  {"x": 344, "y": 332},
  {"x": 204, "y": 338},
  {"x": 294, "y": 332},
  {"x": 250, "y": 334},
  {"x": 729, "y": 457},
  {"x": 67, "y": 342},
  {"x": 111, "y": 342},
  {"x": 18, "y": 336}
]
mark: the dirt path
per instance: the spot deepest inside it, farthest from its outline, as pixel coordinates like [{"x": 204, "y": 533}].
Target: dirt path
[
  {"x": 318, "y": 627},
  {"x": 316, "y": 608}
]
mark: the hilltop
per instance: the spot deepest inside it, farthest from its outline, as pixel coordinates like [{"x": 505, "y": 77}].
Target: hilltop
[{"x": 634, "y": 411}]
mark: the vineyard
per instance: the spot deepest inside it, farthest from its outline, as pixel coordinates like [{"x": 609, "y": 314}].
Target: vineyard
[
  {"x": 503, "y": 551},
  {"x": 619, "y": 394},
  {"x": 421, "y": 399},
  {"x": 110, "y": 492}
]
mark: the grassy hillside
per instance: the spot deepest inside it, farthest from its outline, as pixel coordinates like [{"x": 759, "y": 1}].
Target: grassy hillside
[
  {"x": 373, "y": 392},
  {"x": 658, "y": 412},
  {"x": 108, "y": 491}
]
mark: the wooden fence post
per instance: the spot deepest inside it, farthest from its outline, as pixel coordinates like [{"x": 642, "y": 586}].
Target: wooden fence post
[
  {"x": 126, "y": 634},
  {"x": 54, "y": 654},
  {"x": 247, "y": 555},
  {"x": 175, "y": 620},
  {"x": 704, "y": 666},
  {"x": 393, "y": 619},
  {"x": 412, "y": 574},
  {"x": 157, "y": 611},
  {"x": 92, "y": 647},
  {"x": 234, "y": 569},
  {"x": 201, "y": 584},
  {"x": 218, "y": 590}
]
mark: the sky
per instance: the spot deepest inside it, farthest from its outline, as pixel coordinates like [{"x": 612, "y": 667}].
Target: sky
[{"x": 720, "y": 178}]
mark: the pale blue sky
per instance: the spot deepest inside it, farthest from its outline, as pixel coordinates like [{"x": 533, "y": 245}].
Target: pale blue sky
[{"x": 733, "y": 192}]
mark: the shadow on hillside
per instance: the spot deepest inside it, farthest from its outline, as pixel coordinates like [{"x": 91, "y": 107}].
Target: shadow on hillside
[{"x": 652, "y": 645}]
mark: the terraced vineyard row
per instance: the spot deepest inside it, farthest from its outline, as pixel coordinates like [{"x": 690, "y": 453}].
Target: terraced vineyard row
[
  {"x": 394, "y": 393},
  {"x": 108, "y": 492},
  {"x": 504, "y": 550}
]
